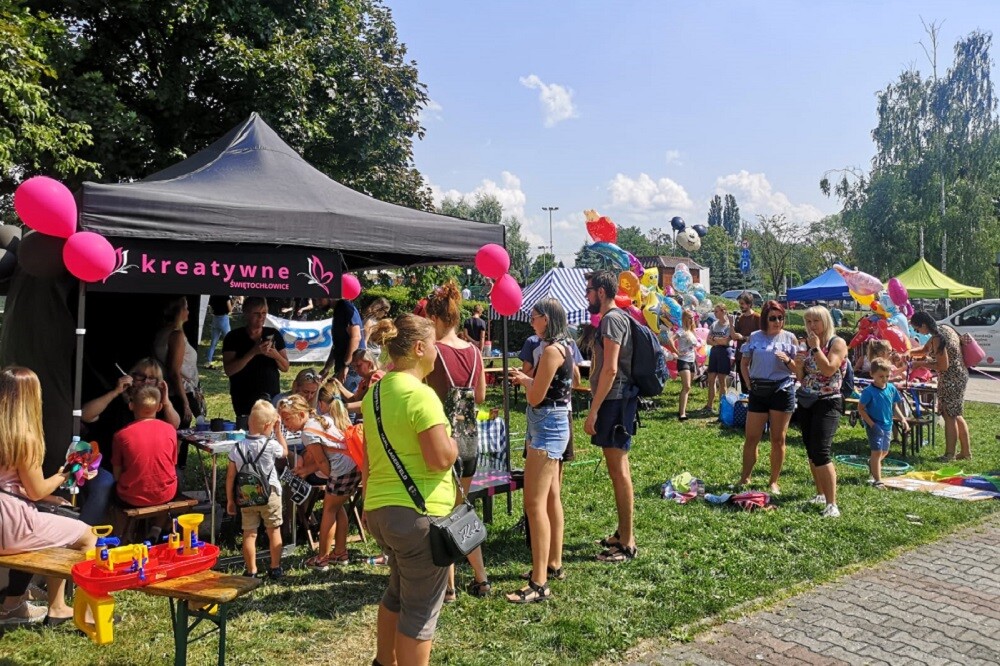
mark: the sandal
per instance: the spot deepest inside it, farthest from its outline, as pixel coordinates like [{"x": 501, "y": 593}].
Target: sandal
[
  {"x": 531, "y": 594},
  {"x": 618, "y": 553},
  {"x": 946, "y": 458},
  {"x": 878, "y": 485},
  {"x": 480, "y": 588},
  {"x": 608, "y": 542},
  {"x": 554, "y": 574},
  {"x": 450, "y": 595},
  {"x": 23, "y": 613}
]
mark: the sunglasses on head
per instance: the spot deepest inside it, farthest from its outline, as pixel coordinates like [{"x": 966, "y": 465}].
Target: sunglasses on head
[{"x": 776, "y": 318}]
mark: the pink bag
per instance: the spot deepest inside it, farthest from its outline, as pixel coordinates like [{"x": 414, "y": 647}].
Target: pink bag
[{"x": 972, "y": 353}]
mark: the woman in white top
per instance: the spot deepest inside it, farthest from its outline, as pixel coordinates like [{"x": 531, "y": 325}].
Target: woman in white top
[
  {"x": 686, "y": 343},
  {"x": 180, "y": 361}
]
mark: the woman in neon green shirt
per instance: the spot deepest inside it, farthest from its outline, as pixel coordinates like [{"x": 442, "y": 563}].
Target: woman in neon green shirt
[{"x": 416, "y": 427}]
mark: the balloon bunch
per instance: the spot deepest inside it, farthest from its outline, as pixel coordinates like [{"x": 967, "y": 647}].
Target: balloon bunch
[
  {"x": 493, "y": 262},
  {"x": 688, "y": 238},
  {"x": 54, "y": 245},
  {"x": 604, "y": 233},
  {"x": 891, "y": 309}
]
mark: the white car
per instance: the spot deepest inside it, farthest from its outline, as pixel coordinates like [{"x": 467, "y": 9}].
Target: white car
[{"x": 982, "y": 321}]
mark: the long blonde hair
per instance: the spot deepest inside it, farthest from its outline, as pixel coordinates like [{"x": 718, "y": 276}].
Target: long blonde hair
[
  {"x": 22, "y": 437},
  {"x": 296, "y": 403},
  {"x": 332, "y": 393}
]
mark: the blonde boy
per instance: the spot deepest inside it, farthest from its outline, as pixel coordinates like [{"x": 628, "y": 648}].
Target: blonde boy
[
  {"x": 879, "y": 402},
  {"x": 262, "y": 450}
]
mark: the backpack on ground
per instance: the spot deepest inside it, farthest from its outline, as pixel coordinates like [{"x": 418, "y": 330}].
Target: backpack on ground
[
  {"x": 252, "y": 488},
  {"x": 649, "y": 363},
  {"x": 460, "y": 408}
]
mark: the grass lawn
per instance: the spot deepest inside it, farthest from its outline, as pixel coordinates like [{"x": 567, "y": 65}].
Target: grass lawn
[{"x": 695, "y": 561}]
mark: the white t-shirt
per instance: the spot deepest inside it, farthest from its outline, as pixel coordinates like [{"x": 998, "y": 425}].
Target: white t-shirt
[
  {"x": 249, "y": 448},
  {"x": 324, "y": 432}
]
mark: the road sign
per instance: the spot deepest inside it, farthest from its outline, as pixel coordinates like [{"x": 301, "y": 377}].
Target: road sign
[
  {"x": 745, "y": 254},
  {"x": 746, "y": 244},
  {"x": 745, "y": 265}
]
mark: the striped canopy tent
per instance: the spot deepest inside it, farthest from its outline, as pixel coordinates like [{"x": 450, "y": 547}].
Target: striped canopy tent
[{"x": 566, "y": 285}]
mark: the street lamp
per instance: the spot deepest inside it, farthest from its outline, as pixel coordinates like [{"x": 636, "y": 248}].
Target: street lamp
[
  {"x": 997, "y": 264},
  {"x": 552, "y": 251}
]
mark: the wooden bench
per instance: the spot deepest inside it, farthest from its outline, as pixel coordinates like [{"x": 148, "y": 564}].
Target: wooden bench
[
  {"x": 135, "y": 516},
  {"x": 202, "y": 596}
]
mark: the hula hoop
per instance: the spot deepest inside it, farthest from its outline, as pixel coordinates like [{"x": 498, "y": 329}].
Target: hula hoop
[{"x": 889, "y": 465}]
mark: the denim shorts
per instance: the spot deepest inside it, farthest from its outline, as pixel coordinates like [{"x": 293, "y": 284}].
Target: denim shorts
[
  {"x": 878, "y": 439},
  {"x": 548, "y": 430},
  {"x": 615, "y": 424}
]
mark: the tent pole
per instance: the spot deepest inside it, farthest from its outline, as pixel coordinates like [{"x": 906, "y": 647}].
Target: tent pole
[
  {"x": 78, "y": 377},
  {"x": 506, "y": 368}
]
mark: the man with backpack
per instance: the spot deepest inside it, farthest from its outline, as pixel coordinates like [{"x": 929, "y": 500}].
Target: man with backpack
[{"x": 615, "y": 399}]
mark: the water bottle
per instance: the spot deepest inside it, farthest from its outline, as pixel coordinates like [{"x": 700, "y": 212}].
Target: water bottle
[{"x": 487, "y": 348}]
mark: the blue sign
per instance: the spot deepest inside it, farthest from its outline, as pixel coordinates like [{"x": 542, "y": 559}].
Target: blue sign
[{"x": 745, "y": 265}]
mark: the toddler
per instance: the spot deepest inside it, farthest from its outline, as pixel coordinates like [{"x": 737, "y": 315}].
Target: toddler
[
  {"x": 879, "y": 401},
  {"x": 256, "y": 455},
  {"x": 144, "y": 453}
]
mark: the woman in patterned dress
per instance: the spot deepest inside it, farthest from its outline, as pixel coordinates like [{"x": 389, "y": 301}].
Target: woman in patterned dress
[{"x": 943, "y": 353}]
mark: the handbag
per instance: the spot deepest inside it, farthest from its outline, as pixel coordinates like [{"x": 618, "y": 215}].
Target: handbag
[
  {"x": 453, "y": 536},
  {"x": 805, "y": 399},
  {"x": 972, "y": 352}
]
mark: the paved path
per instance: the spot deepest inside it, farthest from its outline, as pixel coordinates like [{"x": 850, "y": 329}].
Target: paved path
[
  {"x": 937, "y": 604},
  {"x": 984, "y": 388}
]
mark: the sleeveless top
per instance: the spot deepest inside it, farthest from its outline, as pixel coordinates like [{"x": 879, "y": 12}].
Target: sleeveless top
[
  {"x": 561, "y": 388},
  {"x": 815, "y": 382},
  {"x": 189, "y": 366},
  {"x": 687, "y": 344}
]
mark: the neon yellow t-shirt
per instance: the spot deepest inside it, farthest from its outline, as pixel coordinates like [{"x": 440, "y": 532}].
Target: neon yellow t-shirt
[{"x": 408, "y": 408}]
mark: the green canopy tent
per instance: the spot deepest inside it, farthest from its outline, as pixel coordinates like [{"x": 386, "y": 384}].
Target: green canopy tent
[{"x": 924, "y": 281}]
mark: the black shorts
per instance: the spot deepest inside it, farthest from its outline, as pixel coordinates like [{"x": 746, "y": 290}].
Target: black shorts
[
  {"x": 685, "y": 365},
  {"x": 779, "y": 401},
  {"x": 718, "y": 360},
  {"x": 616, "y": 423}
]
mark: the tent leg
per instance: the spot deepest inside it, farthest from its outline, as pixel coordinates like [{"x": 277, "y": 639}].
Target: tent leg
[
  {"x": 506, "y": 390},
  {"x": 81, "y": 332}
]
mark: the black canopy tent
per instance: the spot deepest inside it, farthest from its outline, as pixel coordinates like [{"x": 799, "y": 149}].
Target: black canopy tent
[{"x": 248, "y": 201}]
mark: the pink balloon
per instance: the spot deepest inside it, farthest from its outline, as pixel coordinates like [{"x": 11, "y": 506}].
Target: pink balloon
[
  {"x": 89, "y": 256},
  {"x": 506, "y": 296},
  {"x": 493, "y": 261},
  {"x": 350, "y": 287},
  {"x": 47, "y": 206},
  {"x": 595, "y": 320}
]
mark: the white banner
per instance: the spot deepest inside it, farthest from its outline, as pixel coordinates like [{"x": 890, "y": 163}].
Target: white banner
[{"x": 305, "y": 341}]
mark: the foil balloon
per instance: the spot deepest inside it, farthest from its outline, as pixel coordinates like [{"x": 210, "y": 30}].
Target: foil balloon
[
  {"x": 861, "y": 283},
  {"x": 888, "y": 305},
  {"x": 677, "y": 224},
  {"x": 879, "y": 310},
  {"x": 629, "y": 283},
  {"x": 671, "y": 309},
  {"x": 650, "y": 278},
  {"x": 895, "y": 337},
  {"x": 897, "y": 292},
  {"x": 689, "y": 240},
  {"x": 699, "y": 292},
  {"x": 623, "y": 300},
  {"x": 613, "y": 253},
  {"x": 690, "y": 300},
  {"x": 864, "y": 300},
  {"x": 635, "y": 264},
  {"x": 602, "y": 230},
  {"x": 681, "y": 280},
  {"x": 899, "y": 321},
  {"x": 651, "y": 309},
  {"x": 700, "y": 229},
  {"x": 865, "y": 330},
  {"x": 636, "y": 314}
]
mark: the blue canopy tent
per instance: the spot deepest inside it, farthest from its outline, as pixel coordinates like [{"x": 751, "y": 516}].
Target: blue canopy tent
[
  {"x": 566, "y": 285},
  {"x": 829, "y": 286}
]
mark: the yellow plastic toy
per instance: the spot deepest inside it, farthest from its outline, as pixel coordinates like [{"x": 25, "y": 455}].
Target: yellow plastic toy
[{"x": 189, "y": 523}]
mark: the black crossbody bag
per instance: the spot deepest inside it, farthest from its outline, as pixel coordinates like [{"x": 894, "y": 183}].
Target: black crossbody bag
[{"x": 453, "y": 536}]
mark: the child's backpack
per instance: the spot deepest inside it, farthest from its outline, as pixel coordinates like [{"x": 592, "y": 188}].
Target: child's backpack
[
  {"x": 252, "y": 488},
  {"x": 649, "y": 363},
  {"x": 460, "y": 408},
  {"x": 847, "y": 386}
]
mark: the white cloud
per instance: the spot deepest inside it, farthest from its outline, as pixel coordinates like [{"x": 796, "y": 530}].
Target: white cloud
[
  {"x": 508, "y": 192},
  {"x": 755, "y": 195},
  {"x": 674, "y": 158},
  {"x": 643, "y": 194},
  {"x": 557, "y": 100},
  {"x": 430, "y": 111}
]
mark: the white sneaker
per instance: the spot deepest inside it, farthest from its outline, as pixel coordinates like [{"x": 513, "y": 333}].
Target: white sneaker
[
  {"x": 819, "y": 499},
  {"x": 831, "y": 511},
  {"x": 23, "y": 613}
]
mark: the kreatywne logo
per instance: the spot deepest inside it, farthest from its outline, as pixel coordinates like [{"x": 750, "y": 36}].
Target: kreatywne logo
[{"x": 317, "y": 274}]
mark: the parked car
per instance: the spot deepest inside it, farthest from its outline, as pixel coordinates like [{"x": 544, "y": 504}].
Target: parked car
[
  {"x": 982, "y": 321},
  {"x": 733, "y": 294}
]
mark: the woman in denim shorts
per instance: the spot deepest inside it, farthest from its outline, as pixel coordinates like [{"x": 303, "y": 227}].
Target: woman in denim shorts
[
  {"x": 548, "y": 395},
  {"x": 769, "y": 362}
]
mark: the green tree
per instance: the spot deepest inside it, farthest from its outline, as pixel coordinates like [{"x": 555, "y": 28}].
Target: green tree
[
  {"x": 159, "y": 81},
  {"x": 719, "y": 253},
  {"x": 731, "y": 220},
  {"x": 487, "y": 208},
  {"x": 586, "y": 258},
  {"x": 632, "y": 239},
  {"x": 659, "y": 238},
  {"x": 772, "y": 245},
  {"x": 715, "y": 212},
  {"x": 540, "y": 266},
  {"x": 35, "y": 136}
]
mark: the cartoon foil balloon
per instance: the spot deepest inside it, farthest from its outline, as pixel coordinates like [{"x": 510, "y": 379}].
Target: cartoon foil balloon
[
  {"x": 629, "y": 283},
  {"x": 650, "y": 278},
  {"x": 610, "y": 251},
  {"x": 858, "y": 282}
]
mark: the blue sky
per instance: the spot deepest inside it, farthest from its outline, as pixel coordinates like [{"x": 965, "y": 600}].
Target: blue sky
[{"x": 644, "y": 110}]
